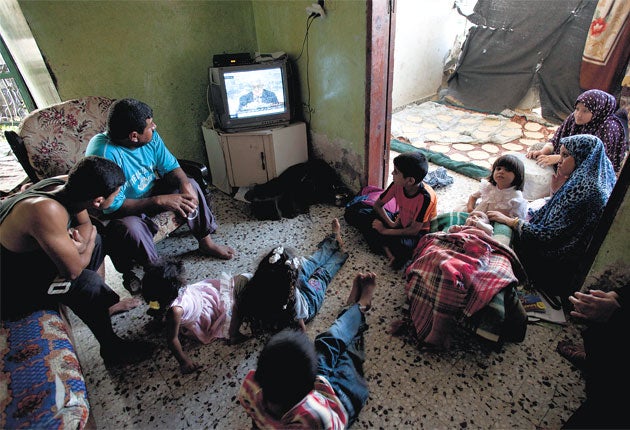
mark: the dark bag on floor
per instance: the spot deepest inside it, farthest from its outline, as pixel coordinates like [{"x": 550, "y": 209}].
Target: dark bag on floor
[{"x": 291, "y": 193}]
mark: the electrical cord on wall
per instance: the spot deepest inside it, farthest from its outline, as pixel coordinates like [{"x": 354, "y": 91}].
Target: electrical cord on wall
[
  {"x": 307, "y": 106},
  {"x": 210, "y": 120}
]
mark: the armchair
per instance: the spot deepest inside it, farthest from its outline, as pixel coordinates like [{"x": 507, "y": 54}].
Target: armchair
[{"x": 51, "y": 140}]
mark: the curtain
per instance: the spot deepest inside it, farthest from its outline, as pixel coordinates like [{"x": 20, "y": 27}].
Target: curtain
[{"x": 517, "y": 44}]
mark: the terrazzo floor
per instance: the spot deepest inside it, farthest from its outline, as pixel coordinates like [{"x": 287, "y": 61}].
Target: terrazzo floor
[{"x": 523, "y": 385}]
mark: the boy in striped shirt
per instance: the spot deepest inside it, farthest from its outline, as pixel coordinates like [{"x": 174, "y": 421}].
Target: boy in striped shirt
[{"x": 301, "y": 385}]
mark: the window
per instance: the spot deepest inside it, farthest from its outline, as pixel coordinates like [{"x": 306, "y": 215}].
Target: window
[{"x": 15, "y": 100}]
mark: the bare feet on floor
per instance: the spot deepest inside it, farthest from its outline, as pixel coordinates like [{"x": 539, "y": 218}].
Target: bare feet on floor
[
  {"x": 390, "y": 257},
  {"x": 368, "y": 285},
  {"x": 362, "y": 291},
  {"x": 336, "y": 229},
  {"x": 355, "y": 292},
  {"x": 125, "y": 305},
  {"x": 208, "y": 247}
]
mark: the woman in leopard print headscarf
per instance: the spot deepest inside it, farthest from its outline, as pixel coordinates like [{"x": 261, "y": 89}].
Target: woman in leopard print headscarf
[{"x": 551, "y": 244}]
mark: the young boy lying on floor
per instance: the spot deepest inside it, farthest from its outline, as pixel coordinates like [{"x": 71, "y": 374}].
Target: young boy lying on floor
[{"x": 298, "y": 384}]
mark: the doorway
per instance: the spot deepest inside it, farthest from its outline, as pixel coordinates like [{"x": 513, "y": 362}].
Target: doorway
[{"x": 408, "y": 70}]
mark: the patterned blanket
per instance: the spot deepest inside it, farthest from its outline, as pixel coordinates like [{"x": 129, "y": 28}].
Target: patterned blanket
[
  {"x": 454, "y": 276},
  {"x": 41, "y": 383}
]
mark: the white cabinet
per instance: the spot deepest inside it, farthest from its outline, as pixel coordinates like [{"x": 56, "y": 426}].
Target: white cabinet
[{"x": 248, "y": 158}]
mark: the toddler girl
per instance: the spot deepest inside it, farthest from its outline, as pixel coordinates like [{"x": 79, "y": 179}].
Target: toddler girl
[
  {"x": 502, "y": 190},
  {"x": 201, "y": 311},
  {"x": 285, "y": 290}
]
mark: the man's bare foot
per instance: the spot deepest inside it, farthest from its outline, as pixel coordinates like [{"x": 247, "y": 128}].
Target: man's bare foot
[
  {"x": 336, "y": 229},
  {"x": 208, "y": 247},
  {"x": 355, "y": 292},
  {"x": 368, "y": 285},
  {"x": 125, "y": 305}
]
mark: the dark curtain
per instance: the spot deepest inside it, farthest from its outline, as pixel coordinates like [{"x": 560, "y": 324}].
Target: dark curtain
[{"x": 518, "y": 44}]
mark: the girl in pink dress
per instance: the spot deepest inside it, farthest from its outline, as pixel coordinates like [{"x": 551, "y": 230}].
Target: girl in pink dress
[{"x": 201, "y": 310}]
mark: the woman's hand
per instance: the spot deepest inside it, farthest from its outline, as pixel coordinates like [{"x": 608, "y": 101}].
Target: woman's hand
[
  {"x": 548, "y": 160},
  {"x": 597, "y": 306},
  {"x": 499, "y": 217},
  {"x": 533, "y": 154}
]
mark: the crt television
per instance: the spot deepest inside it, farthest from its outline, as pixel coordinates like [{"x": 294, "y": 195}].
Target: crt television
[{"x": 252, "y": 96}]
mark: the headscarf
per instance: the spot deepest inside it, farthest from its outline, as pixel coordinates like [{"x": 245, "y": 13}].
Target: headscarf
[
  {"x": 564, "y": 225},
  {"x": 604, "y": 124}
]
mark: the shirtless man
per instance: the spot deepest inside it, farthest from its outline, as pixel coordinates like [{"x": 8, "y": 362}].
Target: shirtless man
[{"x": 50, "y": 253}]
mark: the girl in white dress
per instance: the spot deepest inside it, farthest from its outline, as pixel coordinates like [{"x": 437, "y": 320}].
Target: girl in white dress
[{"x": 502, "y": 190}]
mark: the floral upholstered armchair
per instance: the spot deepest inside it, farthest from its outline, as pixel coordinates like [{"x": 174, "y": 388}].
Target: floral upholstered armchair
[{"x": 51, "y": 140}]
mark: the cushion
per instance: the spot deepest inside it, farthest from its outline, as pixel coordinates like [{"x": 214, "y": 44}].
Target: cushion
[
  {"x": 41, "y": 384},
  {"x": 56, "y": 137},
  {"x": 537, "y": 178}
]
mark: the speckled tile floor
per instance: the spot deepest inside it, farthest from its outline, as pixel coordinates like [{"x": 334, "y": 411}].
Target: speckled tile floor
[{"x": 523, "y": 385}]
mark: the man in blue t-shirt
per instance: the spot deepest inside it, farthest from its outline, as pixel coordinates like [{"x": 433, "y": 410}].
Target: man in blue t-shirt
[{"x": 155, "y": 183}]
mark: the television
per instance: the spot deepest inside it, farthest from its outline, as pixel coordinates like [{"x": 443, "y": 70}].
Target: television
[{"x": 253, "y": 96}]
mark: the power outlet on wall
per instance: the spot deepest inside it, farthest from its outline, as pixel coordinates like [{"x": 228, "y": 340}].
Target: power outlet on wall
[{"x": 315, "y": 10}]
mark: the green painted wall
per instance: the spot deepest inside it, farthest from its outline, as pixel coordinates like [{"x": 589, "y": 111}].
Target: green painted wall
[
  {"x": 612, "y": 264},
  {"x": 332, "y": 73},
  {"x": 155, "y": 51},
  {"x": 159, "y": 52}
]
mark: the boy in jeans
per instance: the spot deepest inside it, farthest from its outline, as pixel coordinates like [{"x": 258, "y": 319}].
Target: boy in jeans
[
  {"x": 298, "y": 384},
  {"x": 396, "y": 234}
]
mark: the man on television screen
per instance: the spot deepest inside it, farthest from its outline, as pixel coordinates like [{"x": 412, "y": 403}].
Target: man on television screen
[{"x": 257, "y": 98}]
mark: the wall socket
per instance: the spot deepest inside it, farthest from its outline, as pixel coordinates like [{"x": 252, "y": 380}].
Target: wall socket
[{"x": 316, "y": 9}]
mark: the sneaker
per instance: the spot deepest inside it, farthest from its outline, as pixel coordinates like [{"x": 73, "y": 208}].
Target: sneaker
[
  {"x": 132, "y": 283},
  {"x": 126, "y": 352}
]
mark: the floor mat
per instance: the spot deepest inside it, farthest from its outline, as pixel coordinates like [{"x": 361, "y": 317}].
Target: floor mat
[
  {"x": 464, "y": 135},
  {"x": 464, "y": 167}
]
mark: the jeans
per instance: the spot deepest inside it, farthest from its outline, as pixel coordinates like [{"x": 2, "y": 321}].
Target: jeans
[
  {"x": 129, "y": 239},
  {"x": 316, "y": 272},
  {"x": 341, "y": 353}
]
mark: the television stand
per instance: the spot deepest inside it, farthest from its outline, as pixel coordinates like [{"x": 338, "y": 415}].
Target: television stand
[{"x": 248, "y": 158}]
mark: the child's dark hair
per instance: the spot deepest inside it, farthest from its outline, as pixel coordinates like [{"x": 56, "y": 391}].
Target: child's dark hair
[
  {"x": 161, "y": 284},
  {"x": 412, "y": 164},
  {"x": 268, "y": 301},
  {"x": 125, "y": 116},
  {"x": 286, "y": 369},
  {"x": 513, "y": 164}
]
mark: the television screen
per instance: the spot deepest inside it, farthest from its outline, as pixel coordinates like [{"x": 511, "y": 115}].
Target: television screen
[
  {"x": 251, "y": 96},
  {"x": 254, "y": 92}
]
